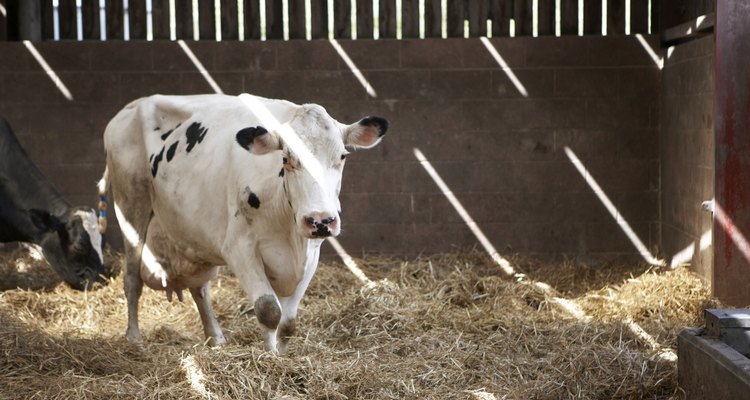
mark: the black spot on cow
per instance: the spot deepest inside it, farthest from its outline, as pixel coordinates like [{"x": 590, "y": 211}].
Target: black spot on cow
[
  {"x": 157, "y": 128},
  {"x": 151, "y": 158},
  {"x": 171, "y": 150},
  {"x": 157, "y": 160},
  {"x": 195, "y": 134},
  {"x": 281, "y": 173},
  {"x": 246, "y": 136},
  {"x": 169, "y": 132},
  {"x": 253, "y": 200},
  {"x": 380, "y": 123}
]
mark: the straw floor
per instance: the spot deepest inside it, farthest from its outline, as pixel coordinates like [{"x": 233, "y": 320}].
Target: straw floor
[{"x": 451, "y": 326}]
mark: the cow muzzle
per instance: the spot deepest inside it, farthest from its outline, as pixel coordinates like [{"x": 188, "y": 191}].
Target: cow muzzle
[{"x": 321, "y": 225}]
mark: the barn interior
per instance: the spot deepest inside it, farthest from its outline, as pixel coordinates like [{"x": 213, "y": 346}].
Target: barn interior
[{"x": 581, "y": 159}]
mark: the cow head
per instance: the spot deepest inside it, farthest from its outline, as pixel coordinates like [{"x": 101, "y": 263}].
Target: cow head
[
  {"x": 313, "y": 153},
  {"x": 72, "y": 245}
]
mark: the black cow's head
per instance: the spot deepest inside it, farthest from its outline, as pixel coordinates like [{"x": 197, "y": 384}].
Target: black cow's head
[{"x": 72, "y": 245}]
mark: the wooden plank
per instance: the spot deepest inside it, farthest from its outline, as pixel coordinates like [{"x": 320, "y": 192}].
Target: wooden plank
[
  {"x": 342, "y": 21},
  {"x": 592, "y": 17},
  {"x": 137, "y": 19},
  {"x": 655, "y": 16},
  {"x": 48, "y": 23},
  {"x": 251, "y": 9},
  {"x": 500, "y": 13},
  {"x": 615, "y": 17},
  {"x": 639, "y": 17},
  {"x": 365, "y": 19},
  {"x": 230, "y": 27},
  {"x": 410, "y": 18},
  {"x": 11, "y": 20},
  {"x": 523, "y": 16},
  {"x": 90, "y": 17},
  {"x": 546, "y": 17},
  {"x": 274, "y": 19},
  {"x": 569, "y": 17},
  {"x": 456, "y": 16},
  {"x": 319, "y": 18},
  {"x": 433, "y": 19},
  {"x": 297, "y": 23},
  {"x": 114, "y": 16},
  {"x": 688, "y": 31},
  {"x": 387, "y": 19},
  {"x": 183, "y": 20},
  {"x": 160, "y": 19},
  {"x": 478, "y": 13},
  {"x": 206, "y": 20}
]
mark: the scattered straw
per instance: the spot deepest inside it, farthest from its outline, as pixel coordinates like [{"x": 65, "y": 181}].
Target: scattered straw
[{"x": 448, "y": 326}]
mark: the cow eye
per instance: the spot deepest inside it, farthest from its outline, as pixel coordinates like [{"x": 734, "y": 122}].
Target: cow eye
[{"x": 343, "y": 157}]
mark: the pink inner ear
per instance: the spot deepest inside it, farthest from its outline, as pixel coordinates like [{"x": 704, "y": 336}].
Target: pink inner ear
[
  {"x": 368, "y": 136},
  {"x": 260, "y": 146}
]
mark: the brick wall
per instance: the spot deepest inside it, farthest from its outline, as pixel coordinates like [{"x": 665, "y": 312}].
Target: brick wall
[
  {"x": 501, "y": 153},
  {"x": 687, "y": 155}
]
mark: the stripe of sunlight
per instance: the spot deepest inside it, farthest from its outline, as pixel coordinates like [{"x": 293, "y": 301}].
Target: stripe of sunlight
[
  {"x": 504, "y": 66},
  {"x": 503, "y": 263},
  {"x": 567, "y": 305},
  {"x": 289, "y": 136},
  {"x": 199, "y": 66},
  {"x": 659, "y": 61},
  {"x": 3, "y": 11},
  {"x": 612, "y": 209},
  {"x": 349, "y": 262},
  {"x": 499, "y": 260},
  {"x": 732, "y": 230},
  {"x": 664, "y": 353},
  {"x": 684, "y": 256},
  {"x": 132, "y": 236},
  {"x": 195, "y": 376},
  {"x": 50, "y": 72},
  {"x": 353, "y": 67}
]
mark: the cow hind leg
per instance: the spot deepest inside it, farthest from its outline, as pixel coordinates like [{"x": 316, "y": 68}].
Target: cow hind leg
[
  {"x": 134, "y": 225},
  {"x": 211, "y": 328}
]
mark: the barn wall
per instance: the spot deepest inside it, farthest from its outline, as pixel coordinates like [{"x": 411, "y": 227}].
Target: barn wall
[
  {"x": 687, "y": 151},
  {"x": 502, "y": 154}
]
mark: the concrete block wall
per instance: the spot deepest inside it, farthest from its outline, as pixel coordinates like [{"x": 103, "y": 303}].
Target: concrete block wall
[
  {"x": 687, "y": 151},
  {"x": 501, "y": 153}
]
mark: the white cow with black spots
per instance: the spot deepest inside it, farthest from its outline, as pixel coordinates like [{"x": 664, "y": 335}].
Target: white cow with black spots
[{"x": 247, "y": 182}]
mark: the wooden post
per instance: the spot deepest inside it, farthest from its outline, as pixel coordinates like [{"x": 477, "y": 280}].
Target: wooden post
[
  {"x": 731, "y": 274},
  {"x": 29, "y": 20}
]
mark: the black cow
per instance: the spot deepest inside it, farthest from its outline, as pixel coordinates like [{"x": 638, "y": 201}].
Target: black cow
[{"x": 33, "y": 211}]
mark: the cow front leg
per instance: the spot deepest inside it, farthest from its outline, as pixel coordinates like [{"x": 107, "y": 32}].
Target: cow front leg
[
  {"x": 211, "y": 328},
  {"x": 289, "y": 305}
]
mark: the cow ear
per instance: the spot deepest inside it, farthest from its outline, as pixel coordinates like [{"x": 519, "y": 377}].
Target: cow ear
[
  {"x": 44, "y": 221},
  {"x": 366, "y": 133},
  {"x": 258, "y": 140}
]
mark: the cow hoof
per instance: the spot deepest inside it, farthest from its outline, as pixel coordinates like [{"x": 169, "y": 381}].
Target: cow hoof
[{"x": 216, "y": 341}]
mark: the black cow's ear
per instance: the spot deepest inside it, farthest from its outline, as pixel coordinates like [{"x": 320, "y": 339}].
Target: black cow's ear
[
  {"x": 258, "y": 140},
  {"x": 44, "y": 221}
]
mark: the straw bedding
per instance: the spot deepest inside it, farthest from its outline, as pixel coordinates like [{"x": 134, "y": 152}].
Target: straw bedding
[{"x": 450, "y": 326}]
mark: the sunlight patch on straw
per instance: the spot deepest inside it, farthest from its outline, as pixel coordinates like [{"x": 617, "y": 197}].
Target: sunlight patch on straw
[
  {"x": 664, "y": 353},
  {"x": 50, "y": 72},
  {"x": 349, "y": 261},
  {"x": 194, "y": 376},
  {"x": 199, "y": 66},
  {"x": 619, "y": 219}
]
